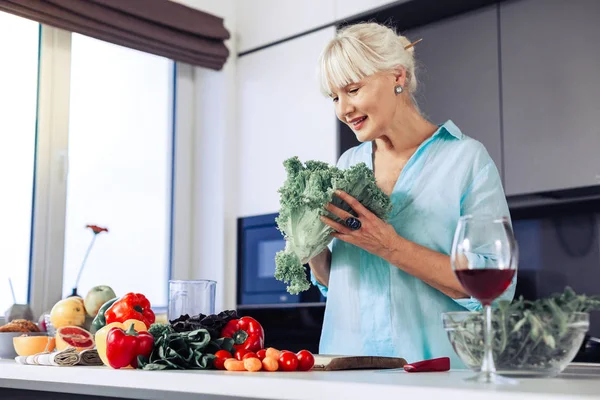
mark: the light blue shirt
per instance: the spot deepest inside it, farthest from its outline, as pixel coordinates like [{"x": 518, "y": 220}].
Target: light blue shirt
[{"x": 375, "y": 308}]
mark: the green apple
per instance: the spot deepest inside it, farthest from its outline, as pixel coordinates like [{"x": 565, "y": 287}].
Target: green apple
[{"x": 97, "y": 296}]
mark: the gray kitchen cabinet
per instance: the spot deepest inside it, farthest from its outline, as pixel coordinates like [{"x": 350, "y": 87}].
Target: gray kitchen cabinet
[
  {"x": 550, "y": 66},
  {"x": 457, "y": 71}
]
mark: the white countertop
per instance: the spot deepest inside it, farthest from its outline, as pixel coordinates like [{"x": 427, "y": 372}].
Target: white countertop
[{"x": 575, "y": 383}]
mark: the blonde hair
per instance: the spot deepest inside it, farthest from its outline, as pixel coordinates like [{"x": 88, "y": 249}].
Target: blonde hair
[{"x": 361, "y": 50}]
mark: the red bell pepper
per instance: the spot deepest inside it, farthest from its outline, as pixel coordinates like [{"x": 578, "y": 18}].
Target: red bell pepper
[
  {"x": 246, "y": 332},
  {"x": 131, "y": 306},
  {"x": 123, "y": 348}
]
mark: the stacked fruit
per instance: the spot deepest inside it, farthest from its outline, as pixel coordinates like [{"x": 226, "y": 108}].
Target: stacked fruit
[
  {"x": 68, "y": 320},
  {"x": 119, "y": 323}
]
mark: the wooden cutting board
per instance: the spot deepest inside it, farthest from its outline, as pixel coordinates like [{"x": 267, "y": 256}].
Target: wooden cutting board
[{"x": 341, "y": 363}]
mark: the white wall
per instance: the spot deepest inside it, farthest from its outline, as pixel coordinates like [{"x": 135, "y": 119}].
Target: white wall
[
  {"x": 205, "y": 203},
  {"x": 264, "y": 21},
  {"x": 260, "y": 22},
  {"x": 281, "y": 114},
  {"x": 349, "y": 8},
  {"x": 242, "y": 122}
]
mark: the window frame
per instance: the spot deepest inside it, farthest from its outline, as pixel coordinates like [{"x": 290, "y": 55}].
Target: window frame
[{"x": 52, "y": 165}]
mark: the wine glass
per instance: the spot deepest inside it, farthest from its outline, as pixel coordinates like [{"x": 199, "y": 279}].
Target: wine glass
[{"x": 484, "y": 258}]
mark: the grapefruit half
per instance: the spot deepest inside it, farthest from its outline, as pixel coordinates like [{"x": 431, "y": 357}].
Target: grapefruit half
[{"x": 73, "y": 336}]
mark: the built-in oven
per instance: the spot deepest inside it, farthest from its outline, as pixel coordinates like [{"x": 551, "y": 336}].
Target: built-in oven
[{"x": 258, "y": 242}]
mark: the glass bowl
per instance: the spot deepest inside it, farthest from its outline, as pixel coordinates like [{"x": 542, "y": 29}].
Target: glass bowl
[{"x": 523, "y": 345}]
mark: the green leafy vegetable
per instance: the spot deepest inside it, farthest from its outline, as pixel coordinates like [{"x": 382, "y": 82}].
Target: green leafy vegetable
[
  {"x": 213, "y": 323},
  {"x": 536, "y": 335},
  {"x": 182, "y": 350},
  {"x": 303, "y": 197},
  {"x": 158, "y": 329}
]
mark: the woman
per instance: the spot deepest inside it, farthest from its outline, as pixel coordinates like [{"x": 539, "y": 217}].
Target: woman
[{"x": 388, "y": 282}]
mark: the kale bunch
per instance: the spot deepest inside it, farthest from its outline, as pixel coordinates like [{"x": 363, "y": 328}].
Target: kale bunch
[{"x": 303, "y": 197}]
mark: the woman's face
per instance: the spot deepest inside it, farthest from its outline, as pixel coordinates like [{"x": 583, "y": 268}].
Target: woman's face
[{"x": 368, "y": 106}]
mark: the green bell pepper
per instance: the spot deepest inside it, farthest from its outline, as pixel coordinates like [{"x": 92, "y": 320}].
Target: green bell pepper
[{"x": 100, "y": 319}]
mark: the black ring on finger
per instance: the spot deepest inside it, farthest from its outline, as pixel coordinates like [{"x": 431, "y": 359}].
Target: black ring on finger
[{"x": 353, "y": 223}]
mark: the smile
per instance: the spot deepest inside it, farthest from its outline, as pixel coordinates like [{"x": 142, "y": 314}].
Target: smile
[{"x": 357, "y": 123}]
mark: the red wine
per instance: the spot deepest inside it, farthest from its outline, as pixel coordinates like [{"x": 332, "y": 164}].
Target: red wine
[{"x": 485, "y": 284}]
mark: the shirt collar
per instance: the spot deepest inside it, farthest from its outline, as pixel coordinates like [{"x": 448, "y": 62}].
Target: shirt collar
[{"x": 450, "y": 128}]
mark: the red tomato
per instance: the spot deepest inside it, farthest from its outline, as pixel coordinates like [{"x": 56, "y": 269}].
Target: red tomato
[
  {"x": 261, "y": 354},
  {"x": 305, "y": 360},
  {"x": 239, "y": 354},
  {"x": 288, "y": 361},
  {"x": 221, "y": 355},
  {"x": 250, "y": 354}
]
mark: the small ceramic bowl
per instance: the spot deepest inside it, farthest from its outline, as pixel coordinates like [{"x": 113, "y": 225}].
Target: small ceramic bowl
[
  {"x": 30, "y": 345},
  {"x": 7, "y": 348}
]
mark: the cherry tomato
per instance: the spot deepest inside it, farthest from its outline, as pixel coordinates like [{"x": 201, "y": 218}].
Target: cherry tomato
[
  {"x": 221, "y": 355},
  {"x": 250, "y": 354},
  {"x": 239, "y": 354},
  {"x": 288, "y": 361},
  {"x": 305, "y": 360},
  {"x": 261, "y": 354}
]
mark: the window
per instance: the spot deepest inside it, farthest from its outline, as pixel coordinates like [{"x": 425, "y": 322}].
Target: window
[
  {"x": 19, "y": 43},
  {"x": 86, "y": 138},
  {"x": 120, "y": 165}
]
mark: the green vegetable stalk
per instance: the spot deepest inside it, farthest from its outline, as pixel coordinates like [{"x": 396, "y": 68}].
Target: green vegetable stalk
[{"x": 303, "y": 197}]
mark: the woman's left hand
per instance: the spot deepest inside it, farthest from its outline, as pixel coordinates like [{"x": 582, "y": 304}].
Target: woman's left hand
[{"x": 374, "y": 235}]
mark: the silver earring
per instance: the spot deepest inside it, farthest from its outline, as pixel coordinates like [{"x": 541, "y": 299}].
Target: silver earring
[{"x": 398, "y": 89}]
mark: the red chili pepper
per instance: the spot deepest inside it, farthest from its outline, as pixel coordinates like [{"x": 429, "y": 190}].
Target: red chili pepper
[
  {"x": 131, "y": 306},
  {"x": 433, "y": 365},
  {"x": 123, "y": 348},
  {"x": 246, "y": 333}
]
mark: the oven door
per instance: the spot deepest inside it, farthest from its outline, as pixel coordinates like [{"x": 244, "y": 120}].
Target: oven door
[{"x": 259, "y": 241}]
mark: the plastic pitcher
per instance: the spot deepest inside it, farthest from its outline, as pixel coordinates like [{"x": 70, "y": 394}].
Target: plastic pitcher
[{"x": 191, "y": 297}]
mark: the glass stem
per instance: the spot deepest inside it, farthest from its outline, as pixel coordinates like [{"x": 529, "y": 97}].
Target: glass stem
[{"x": 487, "y": 366}]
